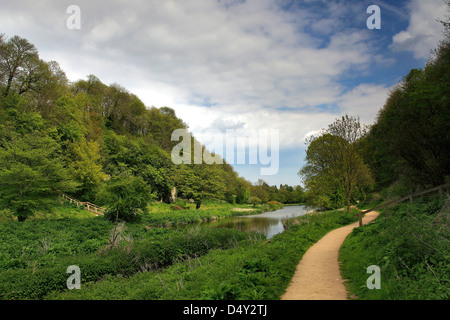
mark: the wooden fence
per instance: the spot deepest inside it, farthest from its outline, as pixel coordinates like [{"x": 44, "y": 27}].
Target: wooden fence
[
  {"x": 410, "y": 197},
  {"x": 85, "y": 205}
]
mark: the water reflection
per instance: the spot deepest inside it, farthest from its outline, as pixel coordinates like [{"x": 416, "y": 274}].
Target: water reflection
[{"x": 268, "y": 223}]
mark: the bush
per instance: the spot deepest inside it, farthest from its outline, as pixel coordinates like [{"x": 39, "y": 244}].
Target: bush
[
  {"x": 254, "y": 201},
  {"x": 274, "y": 205}
]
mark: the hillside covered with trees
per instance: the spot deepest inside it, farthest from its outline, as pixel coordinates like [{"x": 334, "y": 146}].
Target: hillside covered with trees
[
  {"x": 95, "y": 142},
  {"x": 407, "y": 148}
]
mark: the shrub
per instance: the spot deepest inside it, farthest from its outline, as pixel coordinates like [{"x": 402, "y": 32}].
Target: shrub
[{"x": 254, "y": 201}]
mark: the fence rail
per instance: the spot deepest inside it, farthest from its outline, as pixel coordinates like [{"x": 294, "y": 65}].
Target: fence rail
[
  {"x": 85, "y": 205},
  {"x": 409, "y": 197}
]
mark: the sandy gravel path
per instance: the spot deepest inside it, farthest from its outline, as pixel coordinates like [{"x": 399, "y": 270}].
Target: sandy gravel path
[{"x": 317, "y": 276}]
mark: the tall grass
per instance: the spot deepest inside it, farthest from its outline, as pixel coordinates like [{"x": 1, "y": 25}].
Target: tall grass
[{"x": 411, "y": 247}]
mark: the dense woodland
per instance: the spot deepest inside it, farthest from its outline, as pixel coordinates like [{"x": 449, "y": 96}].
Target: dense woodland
[{"x": 97, "y": 143}]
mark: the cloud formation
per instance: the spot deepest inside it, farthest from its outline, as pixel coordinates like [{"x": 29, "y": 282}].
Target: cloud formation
[
  {"x": 252, "y": 64},
  {"x": 424, "y": 31}
]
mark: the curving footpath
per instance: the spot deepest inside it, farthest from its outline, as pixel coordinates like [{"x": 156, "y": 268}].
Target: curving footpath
[{"x": 317, "y": 276}]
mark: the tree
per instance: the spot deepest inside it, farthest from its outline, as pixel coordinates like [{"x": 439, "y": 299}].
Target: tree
[
  {"x": 18, "y": 59},
  {"x": 254, "y": 201},
  {"x": 126, "y": 197},
  {"x": 200, "y": 182},
  {"x": 412, "y": 127},
  {"x": 85, "y": 167},
  {"x": 95, "y": 130},
  {"x": 332, "y": 162},
  {"x": 354, "y": 173},
  {"x": 32, "y": 171},
  {"x": 410, "y": 139}
]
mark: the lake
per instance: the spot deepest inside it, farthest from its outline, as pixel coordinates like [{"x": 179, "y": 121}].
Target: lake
[{"x": 268, "y": 223}]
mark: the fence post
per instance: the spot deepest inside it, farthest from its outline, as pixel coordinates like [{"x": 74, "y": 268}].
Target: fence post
[{"x": 360, "y": 219}]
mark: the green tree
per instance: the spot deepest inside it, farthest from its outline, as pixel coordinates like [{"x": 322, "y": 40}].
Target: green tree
[
  {"x": 32, "y": 171},
  {"x": 126, "y": 197},
  {"x": 200, "y": 182},
  {"x": 254, "y": 201},
  {"x": 85, "y": 167},
  {"x": 332, "y": 163},
  {"x": 18, "y": 59},
  {"x": 410, "y": 139}
]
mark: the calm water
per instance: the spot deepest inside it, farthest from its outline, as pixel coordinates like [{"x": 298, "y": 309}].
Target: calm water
[{"x": 268, "y": 223}]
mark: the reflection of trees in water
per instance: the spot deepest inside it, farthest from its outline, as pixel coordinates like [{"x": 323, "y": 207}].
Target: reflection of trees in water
[
  {"x": 268, "y": 223},
  {"x": 269, "y": 227}
]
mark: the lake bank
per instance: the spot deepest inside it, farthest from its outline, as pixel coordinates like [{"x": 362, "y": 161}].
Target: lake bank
[{"x": 269, "y": 223}]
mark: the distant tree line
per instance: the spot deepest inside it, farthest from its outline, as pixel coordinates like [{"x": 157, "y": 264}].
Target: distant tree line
[{"x": 262, "y": 192}]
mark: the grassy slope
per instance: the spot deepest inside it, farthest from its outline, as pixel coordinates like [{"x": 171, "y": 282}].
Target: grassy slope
[{"x": 411, "y": 248}]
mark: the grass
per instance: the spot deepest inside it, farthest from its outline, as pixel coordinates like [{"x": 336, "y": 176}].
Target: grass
[
  {"x": 411, "y": 248},
  {"x": 252, "y": 268},
  {"x": 150, "y": 262}
]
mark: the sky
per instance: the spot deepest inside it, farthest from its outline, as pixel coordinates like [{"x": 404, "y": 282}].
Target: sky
[{"x": 268, "y": 66}]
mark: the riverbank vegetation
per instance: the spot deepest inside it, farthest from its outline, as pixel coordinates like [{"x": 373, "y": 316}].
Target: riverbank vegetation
[
  {"x": 154, "y": 263},
  {"x": 407, "y": 147},
  {"x": 407, "y": 150}
]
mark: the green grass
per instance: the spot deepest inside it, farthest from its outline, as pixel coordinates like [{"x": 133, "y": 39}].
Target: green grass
[
  {"x": 152, "y": 262},
  {"x": 252, "y": 268},
  {"x": 411, "y": 248}
]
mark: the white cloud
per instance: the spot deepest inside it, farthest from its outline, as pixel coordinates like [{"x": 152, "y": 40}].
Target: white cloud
[
  {"x": 364, "y": 101},
  {"x": 423, "y": 32}
]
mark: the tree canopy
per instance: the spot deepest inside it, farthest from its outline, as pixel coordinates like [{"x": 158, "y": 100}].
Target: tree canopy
[{"x": 88, "y": 139}]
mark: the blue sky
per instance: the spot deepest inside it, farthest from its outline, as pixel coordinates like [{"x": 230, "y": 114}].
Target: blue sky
[{"x": 291, "y": 66}]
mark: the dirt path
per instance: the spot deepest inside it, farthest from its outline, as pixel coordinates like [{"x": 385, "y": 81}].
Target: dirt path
[{"x": 317, "y": 276}]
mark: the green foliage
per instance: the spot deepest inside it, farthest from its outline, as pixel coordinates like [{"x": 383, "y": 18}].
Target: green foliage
[
  {"x": 242, "y": 268},
  {"x": 98, "y": 131},
  {"x": 200, "y": 182},
  {"x": 126, "y": 197},
  {"x": 411, "y": 248},
  {"x": 31, "y": 168},
  {"x": 86, "y": 168},
  {"x": 284, "y": 194},
  {"x": 254, "y": 201},
  {"x": 142, "y": 255},
  {"x": 407, "y": 139},
  {"x": 334, "y": 170}
]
